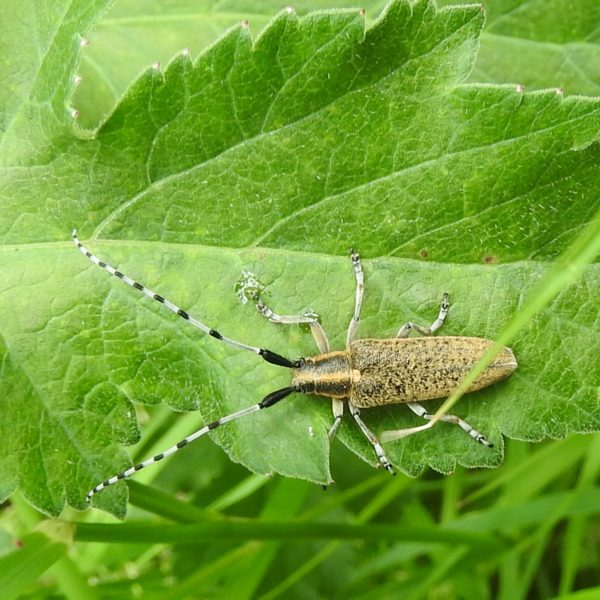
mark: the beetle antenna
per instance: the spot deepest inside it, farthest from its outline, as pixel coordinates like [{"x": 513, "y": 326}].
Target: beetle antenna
[
  {"x": 268, "y": 401},
  {"x": 268, "y": 355}
]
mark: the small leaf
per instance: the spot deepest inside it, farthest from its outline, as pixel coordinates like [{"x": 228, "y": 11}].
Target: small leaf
[{"x": 544, "y": 43}]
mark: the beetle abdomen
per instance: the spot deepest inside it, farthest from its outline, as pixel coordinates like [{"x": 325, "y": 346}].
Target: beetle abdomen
[{"x": 417, "y": 369}]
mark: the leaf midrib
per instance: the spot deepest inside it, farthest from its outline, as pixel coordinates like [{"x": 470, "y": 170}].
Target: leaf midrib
[
  {"x": 264, "y": 251},
  {"x": 411, "y": 168}
]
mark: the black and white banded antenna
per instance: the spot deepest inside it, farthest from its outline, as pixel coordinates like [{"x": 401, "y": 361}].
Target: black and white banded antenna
[
  {"x": 266, "y": 402},
  {"x": 268, "y": 355}
]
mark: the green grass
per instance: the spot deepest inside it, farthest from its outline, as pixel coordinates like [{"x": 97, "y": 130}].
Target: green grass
[{"x": 515, "y": 532}]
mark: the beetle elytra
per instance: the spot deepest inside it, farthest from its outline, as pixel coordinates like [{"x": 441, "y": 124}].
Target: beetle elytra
[{"x": 369, "y": 372}]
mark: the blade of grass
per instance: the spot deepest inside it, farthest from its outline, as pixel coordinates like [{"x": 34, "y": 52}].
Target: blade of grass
[
  {"x": 382, "y": 499},
  {"x": 576, "y": 528},
  {"x": 284, "y": 503},
  {"x": 589, "y": 594},
  {"x": 212, "y": 569},
  {"x": 502, "y": 519},
  {"x": 532, "y": 512},
  {"x": 20, "y": 569},
  {"x": 166, "y": 505},
  {"x": 561, "y": 454},
  {"x": 439, "y": 570},
  {"x": 566, "y": 270},
  {"x": 385, "y": 562},
  {"x": 532, "y": 548},
  {"x": 341, "y": 498},
  {"x": 71, "y": 581},
  {"x": 452, "y": 491},
  {"x": 301, "y": 572},
  {"x": 223, "y": 562},
  {"x": 236, "y": 494},
  {"x": 146, "y": 533},
  {"x": 67, "y": 574}
]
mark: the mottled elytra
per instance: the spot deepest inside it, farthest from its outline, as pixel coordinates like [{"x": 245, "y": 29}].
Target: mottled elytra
[{"x": 369, "y": 372}]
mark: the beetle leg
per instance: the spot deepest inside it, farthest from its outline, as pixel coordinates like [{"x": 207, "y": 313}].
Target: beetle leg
[
  {"x": 268, "y": 401},
  {"x": 405, "y": 330},
  {"x": 360, "y": 279},
  {"x": 338, "y": 411},
  {"x": 355, "y": 412},
  {"x": 316, "y": 328},
  {"x": 397, "y": 434},
  {"x": 422, "y": 412}
]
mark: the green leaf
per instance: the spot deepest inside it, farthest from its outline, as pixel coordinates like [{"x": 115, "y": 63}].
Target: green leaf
[
  {"x": 274, "y": 155},
  {"x": 40, "y": 50},
  {"x": 540, "y": 44},
  {"x": 137, "y": 33}
]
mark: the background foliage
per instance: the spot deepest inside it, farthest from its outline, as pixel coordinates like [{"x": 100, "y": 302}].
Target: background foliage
[{"x": 274, "y": 153}]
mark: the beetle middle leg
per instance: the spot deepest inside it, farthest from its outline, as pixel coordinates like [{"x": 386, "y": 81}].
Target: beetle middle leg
[
  {"x": 336, "y": 404},
  {"x": 421, "y": 411},
  {"x": 405, "y": 330}
]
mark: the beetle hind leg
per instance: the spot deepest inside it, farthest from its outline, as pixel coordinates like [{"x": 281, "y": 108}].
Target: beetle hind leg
[
  {"x": 405, "y": 330},
  {"x": 379, "y": 451},
  {"x": 421, "y": 411}
]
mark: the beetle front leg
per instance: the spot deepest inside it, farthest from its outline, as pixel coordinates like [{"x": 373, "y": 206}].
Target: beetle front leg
[
  {"x": 316, "y": 328},
  {"x": 405, "y": 330},
  {"x": 358, "y": 297}
]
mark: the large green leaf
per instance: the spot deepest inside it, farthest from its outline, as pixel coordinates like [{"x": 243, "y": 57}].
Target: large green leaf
[{"x": 274, "y": 155}]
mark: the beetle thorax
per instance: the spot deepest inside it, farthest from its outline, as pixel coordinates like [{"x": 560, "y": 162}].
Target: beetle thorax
[{"x": 325, "y": 374}]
